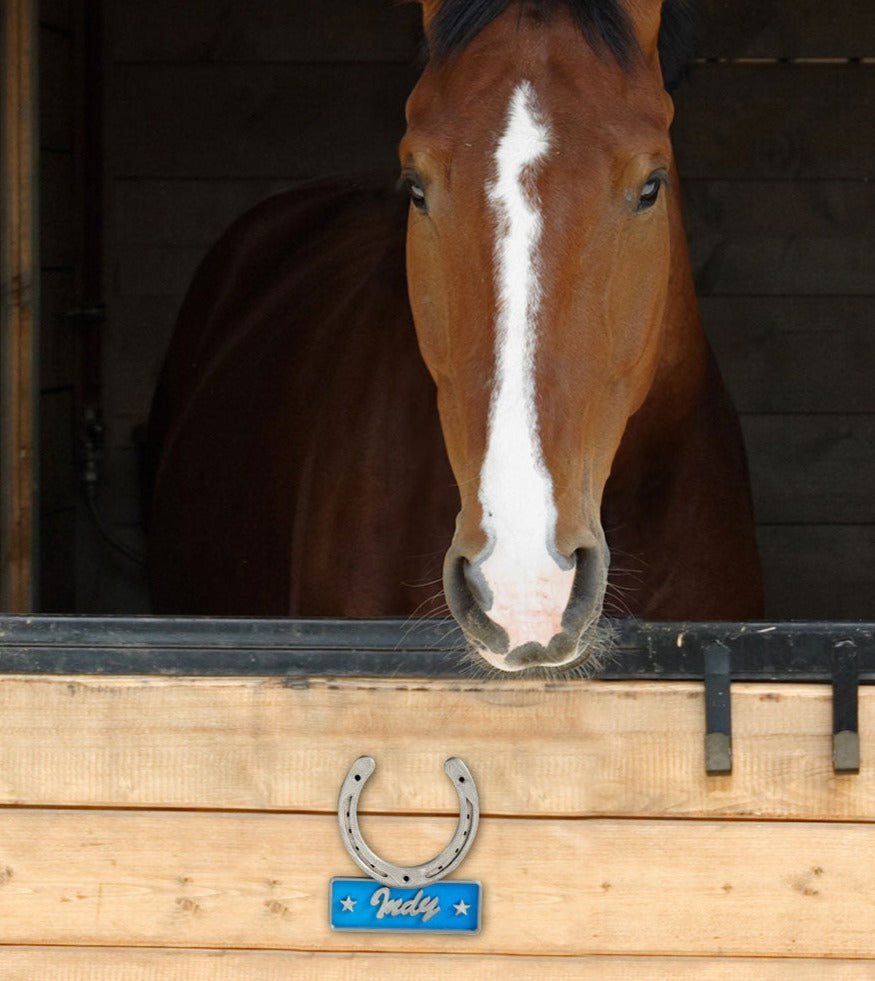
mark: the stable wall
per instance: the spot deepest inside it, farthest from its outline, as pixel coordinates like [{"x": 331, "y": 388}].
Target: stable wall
[
  {"x": 61, "y": 192},
  {"x": 777, "y": 172},
  {"x": 209, "y": 107}
]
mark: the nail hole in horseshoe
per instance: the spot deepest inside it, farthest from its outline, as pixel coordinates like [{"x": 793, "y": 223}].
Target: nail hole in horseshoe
[{"x": 379, "y": 869}]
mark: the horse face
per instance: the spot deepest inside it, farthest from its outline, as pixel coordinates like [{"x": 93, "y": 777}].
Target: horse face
[{"x": 538, "y": 263}]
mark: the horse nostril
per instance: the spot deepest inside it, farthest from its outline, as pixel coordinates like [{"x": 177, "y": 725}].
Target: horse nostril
[
  {"x": 587, "y": 591},
  {"x": 476, "y": 583},
  {"x": 466, "y": 590}
]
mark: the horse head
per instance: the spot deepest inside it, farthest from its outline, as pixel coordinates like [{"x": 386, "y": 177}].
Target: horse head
[{"x": 539, "y": 250}]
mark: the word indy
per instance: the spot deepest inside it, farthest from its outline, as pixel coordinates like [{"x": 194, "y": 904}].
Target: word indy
[{"x": 363, "y": 904}]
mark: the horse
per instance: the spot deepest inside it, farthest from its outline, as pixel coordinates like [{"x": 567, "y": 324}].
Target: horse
[{"x": 504, "y": 365}]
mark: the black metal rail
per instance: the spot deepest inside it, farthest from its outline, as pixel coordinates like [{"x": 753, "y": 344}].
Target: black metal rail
[{"x": 804, "y": 652}]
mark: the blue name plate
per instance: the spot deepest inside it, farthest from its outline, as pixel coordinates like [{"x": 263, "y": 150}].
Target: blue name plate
[{"x": 364, "y": 904}]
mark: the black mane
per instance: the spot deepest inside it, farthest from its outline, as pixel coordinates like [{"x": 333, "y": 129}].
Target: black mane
[
  {"x": 678, "y": 39},
  {"x": 604, "y": 23}
]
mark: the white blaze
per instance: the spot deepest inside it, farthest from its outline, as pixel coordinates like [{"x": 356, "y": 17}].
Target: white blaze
[{"x": 529, "y": 589}]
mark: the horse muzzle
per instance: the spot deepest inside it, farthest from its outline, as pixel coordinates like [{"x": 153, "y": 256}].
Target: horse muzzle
[{"x": 540, "y": 619}]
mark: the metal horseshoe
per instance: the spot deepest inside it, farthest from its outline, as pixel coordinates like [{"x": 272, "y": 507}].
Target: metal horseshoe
[{"x": 407, "y": 876}]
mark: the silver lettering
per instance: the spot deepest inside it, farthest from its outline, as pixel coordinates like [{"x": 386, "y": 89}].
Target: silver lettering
[{"x": 419, "y": 905}]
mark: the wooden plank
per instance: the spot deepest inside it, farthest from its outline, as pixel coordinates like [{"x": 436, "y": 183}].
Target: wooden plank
[
  {"x": 58, "y": 480},
  {"x": 108, "y": 581},
  {"x": 155, "y": 270},
  {"x": 818, "y": 572},
  {"x": 56, "y": 13},
  {"x": 132, "y": 964},
  {"x": 272, "y": 120},
  {"x": 779, "y": 266},
  {"x": 550, "y": 886},
  {"x": 795, "y": 354},
  {"x": 59, "y": 234},
  {"x": 57, "y": 586},
  {"x": 58, "y": 349},
  {"x": 137, "y": 333},
  {"x": 785, "y": 29},
  {"x": 263, "y": 30},
  {"x": 816, "y": 469},
  {"x": 57, "y": 95},
  {"x": 780, "y": 237},
  {"x": 602, "y": 748},
  {"x": 758, "y": 122},
  {"x": 184, "y": 213},
  {"x": 19, "y": 303},
  {"x": 821, "y": 209}
]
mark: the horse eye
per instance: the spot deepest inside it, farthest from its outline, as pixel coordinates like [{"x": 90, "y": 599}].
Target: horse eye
[
  {"x": 417, "y": 197},
  {"x": 650, "y": 191},
  {"x": 415, "y": 191}
]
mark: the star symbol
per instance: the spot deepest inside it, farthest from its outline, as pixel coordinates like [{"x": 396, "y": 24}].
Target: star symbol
[
  {"x": 348, "y": 904},
  {"x": 461, "y": 908}
]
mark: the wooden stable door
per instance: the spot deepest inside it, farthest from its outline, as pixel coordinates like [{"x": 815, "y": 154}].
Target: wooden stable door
[
  {"x": 18, "y": 303},
  {"x": 49, "y": 253}
]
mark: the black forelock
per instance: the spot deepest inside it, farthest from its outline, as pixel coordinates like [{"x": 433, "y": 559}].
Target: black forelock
[{"x": 604, "y": 23}]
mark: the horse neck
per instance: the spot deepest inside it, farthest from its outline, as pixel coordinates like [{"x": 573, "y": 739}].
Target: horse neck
[
  {"x": 685, "y": 363},
  {"x": 681, "y": 463}
]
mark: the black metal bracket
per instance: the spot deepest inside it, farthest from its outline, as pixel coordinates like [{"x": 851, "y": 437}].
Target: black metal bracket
[
  {"x": 718, "y": 715},
  {"x": 845, "y": 724}
]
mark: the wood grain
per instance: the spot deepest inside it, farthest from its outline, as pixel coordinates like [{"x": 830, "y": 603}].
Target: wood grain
[
  {"x": 156, "y": 271},
  {"x": 780, "y": 237},
  {"x": 784, "y": 266},
  {"x": 819, "y": 209},
  {"x": 791, "y": 354},
  {"x": 785, "y": 29},
  {"x": 594, "y": 748},
  {"x": 57, "y": 539},
  {"x": 783, "y": 121},
  {"x": 135, "y": 342},
  {"x": 58, "y": 231},
  {"x": 61, "y": 246},
  {"x": 57, "y": 97},
  {"x": 57, "y": 334},
  {"x": 812, "y": 469},
  {"x": 263, "y": 30},
  {"x": 56, "y": 14},
  {"x": 133, "y": 964},
  {"x": 550, "y": 886},
  {"x": 19, "y": 302},
  {"x": 818, "y": 572},
  {"x": 58, "y": 482},
  {"x": 187, "y": 213},
  {"x": 256, "y": 120}
]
